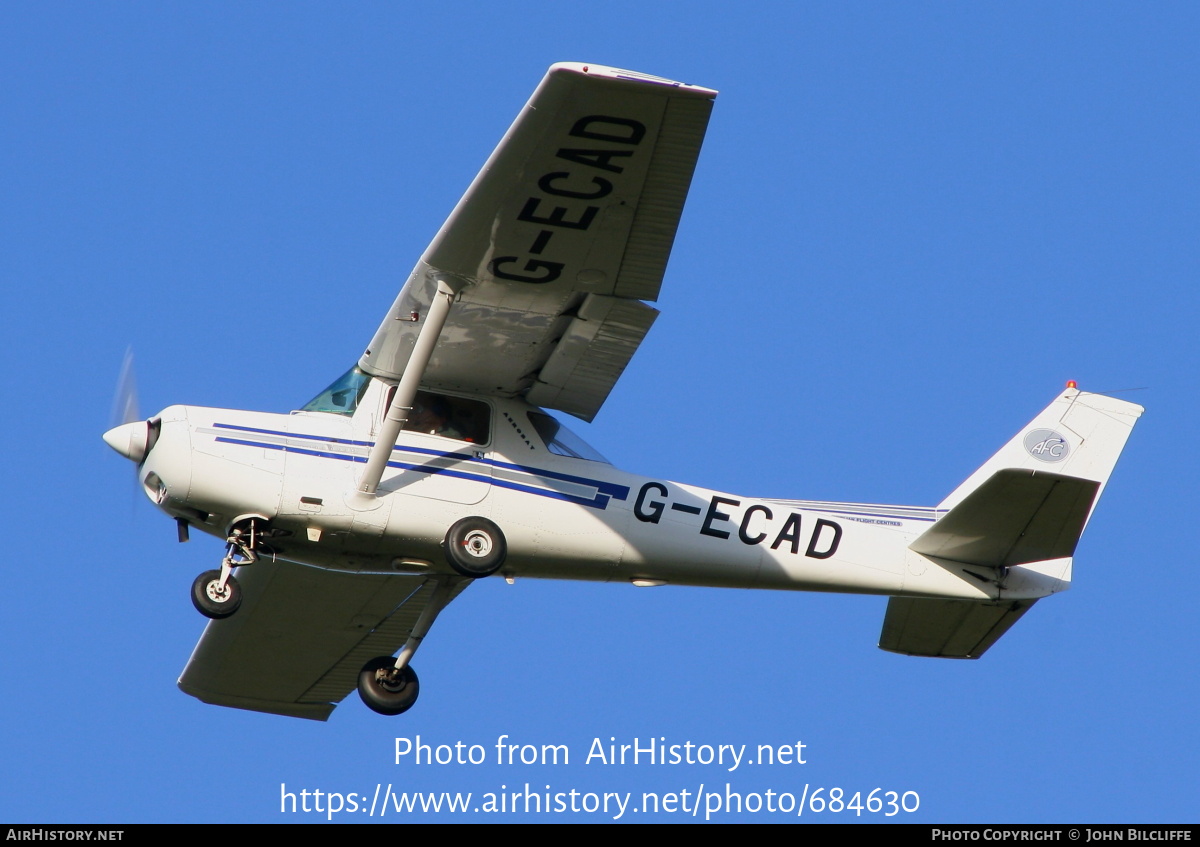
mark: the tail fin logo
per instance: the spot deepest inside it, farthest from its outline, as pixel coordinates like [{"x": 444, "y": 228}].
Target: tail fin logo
[{"x": 1046, "y": 445}]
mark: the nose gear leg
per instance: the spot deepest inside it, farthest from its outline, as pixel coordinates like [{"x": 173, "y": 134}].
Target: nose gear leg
[{"x": 216, "y": 594}]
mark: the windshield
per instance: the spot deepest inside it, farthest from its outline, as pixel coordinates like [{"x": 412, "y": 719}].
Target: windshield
[{"x": 342, "y": 397}]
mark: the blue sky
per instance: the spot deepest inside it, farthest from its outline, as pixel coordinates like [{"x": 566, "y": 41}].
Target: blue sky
[{"x": 910, "y": 225}]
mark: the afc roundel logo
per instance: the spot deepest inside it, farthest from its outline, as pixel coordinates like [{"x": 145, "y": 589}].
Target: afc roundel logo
[{"x": 1046, "y": 445}]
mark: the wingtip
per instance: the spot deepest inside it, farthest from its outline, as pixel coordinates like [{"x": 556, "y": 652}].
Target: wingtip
[{"x": 605, "y": 71}]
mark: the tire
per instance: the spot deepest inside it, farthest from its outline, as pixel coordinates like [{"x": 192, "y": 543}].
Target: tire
[
  {"x": 209, "y": 602},
  {"x": 388, "y": 697},
  {"x": 475, "y": 547}
]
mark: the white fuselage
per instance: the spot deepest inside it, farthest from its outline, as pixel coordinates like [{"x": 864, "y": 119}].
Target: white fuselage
[{"x": 563, "y": 517}]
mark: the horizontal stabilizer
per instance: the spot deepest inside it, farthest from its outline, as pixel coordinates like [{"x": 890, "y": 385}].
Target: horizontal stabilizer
[
  {"x": 1017, "y": 516},
  {"x": 947, "y": 629}
]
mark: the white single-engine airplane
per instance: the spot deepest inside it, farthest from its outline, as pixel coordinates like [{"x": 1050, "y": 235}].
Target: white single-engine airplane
[{"x": 355, "y": 520}]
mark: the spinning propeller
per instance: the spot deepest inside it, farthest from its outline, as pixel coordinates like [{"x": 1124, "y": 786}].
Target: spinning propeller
[{"x": 129, "y": 435}]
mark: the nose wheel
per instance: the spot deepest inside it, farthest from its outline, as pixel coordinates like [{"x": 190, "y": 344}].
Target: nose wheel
[
  {"x": 214, "y": 597},
  {"x": 217, "y": 594}
]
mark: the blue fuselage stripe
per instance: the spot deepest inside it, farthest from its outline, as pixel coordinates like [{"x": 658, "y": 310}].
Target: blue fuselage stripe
[
  {"x": 605, "y": 490},
  {"x": 615, "y": 490}
]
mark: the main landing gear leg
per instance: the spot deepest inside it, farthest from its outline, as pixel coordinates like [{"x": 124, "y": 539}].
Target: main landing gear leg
[{"x": 389, "y": 685}]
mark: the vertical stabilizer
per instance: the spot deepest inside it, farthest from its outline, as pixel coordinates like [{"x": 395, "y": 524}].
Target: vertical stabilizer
[{"x": 1078, "y": 435}]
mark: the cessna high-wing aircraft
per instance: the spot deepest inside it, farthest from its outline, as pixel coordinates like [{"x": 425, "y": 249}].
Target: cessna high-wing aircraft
[{"x": 353, "y": 521}]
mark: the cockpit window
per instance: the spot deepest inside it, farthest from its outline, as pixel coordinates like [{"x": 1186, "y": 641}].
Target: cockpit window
[
  {"x": 450, "y": 417},
  {"x": 560, "y": 440},
  {"x": 343, "y": 396}
]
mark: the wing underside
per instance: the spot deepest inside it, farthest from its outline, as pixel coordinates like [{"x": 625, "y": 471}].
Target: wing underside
[
  {"x": 297, "y": 643},
  {"x": 557, "y": 243}
]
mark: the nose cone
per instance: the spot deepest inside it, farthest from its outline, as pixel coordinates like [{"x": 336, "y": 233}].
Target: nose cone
[{"x": 130, "y": 440}]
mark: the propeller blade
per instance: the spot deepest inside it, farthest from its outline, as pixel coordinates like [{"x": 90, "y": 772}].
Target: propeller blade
[{"x": 125, "y": 400}]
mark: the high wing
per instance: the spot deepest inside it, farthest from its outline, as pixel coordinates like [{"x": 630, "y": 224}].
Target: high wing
[
  {"x": 558, "y": 240},
  {"x": 302, "y": 635}
]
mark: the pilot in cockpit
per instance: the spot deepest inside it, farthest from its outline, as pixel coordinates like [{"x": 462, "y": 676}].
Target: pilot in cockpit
[{"x": 431, "y": 415}]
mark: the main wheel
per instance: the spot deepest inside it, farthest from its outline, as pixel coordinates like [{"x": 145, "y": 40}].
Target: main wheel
[
  {"x": 213, "y": 602},
  {"x": 385, "y": 689},
  {"x": 475, "y": 547}
]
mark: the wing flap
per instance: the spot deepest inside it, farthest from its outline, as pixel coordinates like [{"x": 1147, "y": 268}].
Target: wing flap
[
  {"x": 947, "y": 629},
  {"x": 591, "y": 355},
  {"x": 293, "y": 647}
]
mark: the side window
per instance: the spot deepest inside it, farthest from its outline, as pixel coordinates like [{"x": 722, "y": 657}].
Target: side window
[
  {"x": 450, "y": 417},
  {"x": 560, "y": 440}
]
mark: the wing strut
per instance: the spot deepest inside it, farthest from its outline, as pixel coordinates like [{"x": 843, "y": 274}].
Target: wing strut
[{"x": 406, "y": 391}]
